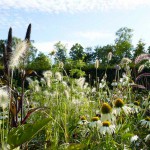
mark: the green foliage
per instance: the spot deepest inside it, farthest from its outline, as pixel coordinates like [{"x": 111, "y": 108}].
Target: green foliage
[
  {"x": 60, "y": 52},
  {"x": 123, "y": 43},
  {"x": 24, "y": 133},
  {"x": 89, "y": 55},
  {"x": 76, "y": 52},
  {"x": 41, "y": 62},
  {"x": 140, "y": 49},
  {"x": 102, "y": 52}
]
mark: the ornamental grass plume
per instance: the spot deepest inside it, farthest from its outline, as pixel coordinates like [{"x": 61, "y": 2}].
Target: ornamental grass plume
[
  {"x": 141, "y": 58},
  {"x": 47, "y": 75},
  {"x": 125, "y": 61},
  {"x": 58, "y": 76},
  {"x": 80, "y": 82},
  {"x": 141, "y": 67},
  {"x": 18, "y": 54}
]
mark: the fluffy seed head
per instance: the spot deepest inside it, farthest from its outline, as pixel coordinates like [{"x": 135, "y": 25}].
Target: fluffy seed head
[
  {"x": 47, "y": 74},
  {"x": 4, "y": 98},
  {"x": 58, "y": 76},
  {"x": 17, "y": 54},
  {"x": 141, "y": 68},
  {"x": 125, "y": 61},
  {"x": 61, "y": 65},
  {"x": 141, "y": 58}
]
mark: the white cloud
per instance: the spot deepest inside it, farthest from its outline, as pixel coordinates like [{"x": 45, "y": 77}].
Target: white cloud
[
  {"x": 9, "y": 9},
  {"x": 95, "y": 35},
  {"x": 72, "y": 6},
  {"x": 47, "y": 47}
]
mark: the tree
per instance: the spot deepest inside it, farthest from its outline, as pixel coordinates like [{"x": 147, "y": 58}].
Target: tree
[
  {"x": 76, "y": 52},
  {"x": 60, "y": 52},
  {"x": 140, "y": 48},
  {"x": 89, "y": 55},
  {"x": 41, "y": 62},
  {"x": 101, "y": 53},
  {"x": 148, "y": 50},
  {"x": 123, "y": 43}
]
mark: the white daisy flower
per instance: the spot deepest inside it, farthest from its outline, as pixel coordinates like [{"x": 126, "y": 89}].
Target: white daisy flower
[
  {"x": 136, "y": 107},
  {"x": 95, "y": 123},
  {"x": 146, "y": 122},
  {"x": 120, "y": 107},
  {"x": 83, "y": 121},
  {"x": 107, "y": 128},
  {"x": 134, "y": 138},
  {"x": 106, "y": 113}
]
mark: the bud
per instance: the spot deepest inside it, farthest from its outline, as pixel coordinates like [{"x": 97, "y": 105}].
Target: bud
[
  {"x": 117, "y": 67},
  {"x": 96, "y": 63},
  {"x": 109, "y": 57},
  {"x": 61, "y": 65}
]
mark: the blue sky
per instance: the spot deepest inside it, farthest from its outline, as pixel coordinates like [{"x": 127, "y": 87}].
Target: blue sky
[{"x": 88, "y": 22}]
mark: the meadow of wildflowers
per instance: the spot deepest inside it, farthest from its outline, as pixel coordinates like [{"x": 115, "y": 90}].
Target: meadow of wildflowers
[{"x": 56, "y": 111}]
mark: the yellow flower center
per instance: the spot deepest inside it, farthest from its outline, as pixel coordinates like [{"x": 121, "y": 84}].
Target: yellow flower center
[
  {"x": 95, "y": 119},
  {"x": 106, "y": 123},
  {"x": 119, "y": 103},
  {"x": 136, "y": 103},
  {"x": 83, "y": 118},
  {"x": 106, "y": 108}
]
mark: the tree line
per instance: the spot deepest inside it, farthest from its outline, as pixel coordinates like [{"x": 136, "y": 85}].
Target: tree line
[{"x": 79, "y": 57}]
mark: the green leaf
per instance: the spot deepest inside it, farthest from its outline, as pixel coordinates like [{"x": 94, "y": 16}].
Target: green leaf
[{"x": 25, "y": 133}]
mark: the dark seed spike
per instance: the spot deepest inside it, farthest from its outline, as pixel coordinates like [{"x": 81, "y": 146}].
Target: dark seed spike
[
  {"x": 5, "y": 62},
  {"x": 9, "y": 41},
  {"x": 28, "y": 33}
]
